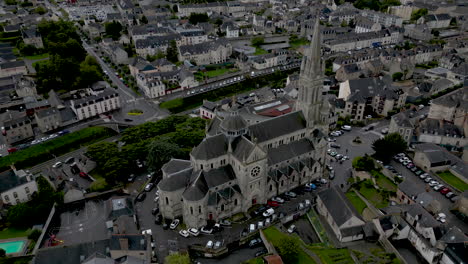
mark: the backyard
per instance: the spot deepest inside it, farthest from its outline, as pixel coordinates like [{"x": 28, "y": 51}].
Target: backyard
[
  {"x": 201, "y": 75},
  {"x": 453, "y": 180},
  {"x": 330, "y": 255},
  {"x": 260, "y": 51},
  {"x": 13, "y": 232},
  {"x": 357, "y": 202},
  {"x": 38, "y": 56}
]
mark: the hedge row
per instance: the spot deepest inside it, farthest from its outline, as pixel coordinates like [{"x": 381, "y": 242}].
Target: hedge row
[{"x": 56, "y": 147}]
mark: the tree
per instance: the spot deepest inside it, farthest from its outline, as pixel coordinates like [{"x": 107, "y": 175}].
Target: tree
[
  {"x": 172, "y": 54},
  {"x": 343, "y": 23},
  {"x": 160, "y": 152},
  {"x": 289, "y": 249},
  {"x": 196, "y": 18},
  {"x": 387, "y": 147},
  {"x": 397, "y": 76},
  {"x": 418, "y": 13},
  {"x": 175, "y": 8},
  {"x": 435, "y": 32},
  {"x": 365, "y": 163},
  {"x": 257, "y": 41},
  {"x": 34, "y": 235},
  {"x": 116, "y": 169},
  {"x": 102, "y": 152},
  {"x": 177, "y": 258},
  {"x": 2, "y": 253},
  {"x": 113, "y": 29},
  {"x": 144, "y": 20}
]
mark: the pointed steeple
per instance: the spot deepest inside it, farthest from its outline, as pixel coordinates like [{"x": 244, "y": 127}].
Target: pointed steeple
[{"x": 311, "y": 66}]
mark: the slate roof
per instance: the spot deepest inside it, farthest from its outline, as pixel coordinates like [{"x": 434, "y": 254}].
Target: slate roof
[
  {"x": 12, "y": 64},
  {"x": 338, "y": 205},
  {"x": 175, "y": 165},
  {"x": 135, "y": 242},
  {"x": 9, "y": 180},
  {"x": 242, "y": 147},
  {"x": 439, "y": 127},
  {"x": 425, "y": 219},
  {"x": 211, "y": 147},
  {"x": 402, "y": 120},
  {"x": 107, "y": 93},
  {"x": 71, "y": 253},
  {"x": 288, "y": 151},
  {"x": 46, "y": 112},
  {"x": 156, "y": 41},
  {"x": 202, "y": 47},
  {"x": 176, "y": 181},
  {"x": 209, "y": 105},
  {"x": 278, "y": 126},
  {"x": 205, "y": 180},
  {"x": 233, "y": 122},
  {"x": 458, "y": 98},
  {"x": 361, "y": 89}
]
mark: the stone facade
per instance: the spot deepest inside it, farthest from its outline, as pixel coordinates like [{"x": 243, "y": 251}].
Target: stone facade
[
  {"x": 95, "y": 105},
  {"x": 240, "y": 164}
]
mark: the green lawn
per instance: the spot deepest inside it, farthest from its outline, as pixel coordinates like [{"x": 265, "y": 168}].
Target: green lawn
[
  {"x": 38, "y": 57},
  {"x": 275, "y": 236},
  {"x": 453, "y": 180},
  {"x": 38, "y": 62},
  {"x": 318, "y": 226},
  {"x": 298, "y": 42},
  {"x": 332, "y": 255},
  {"x": 373, "y": 196},
  {"x": 12, "y": 233},
  {"x": 357, "y": 202},
  {"x": 260, "y": 51},
  {"x": 384, "y": 182}
]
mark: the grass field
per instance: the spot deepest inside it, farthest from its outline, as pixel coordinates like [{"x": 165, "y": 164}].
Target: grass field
[
  {"x": 38, "y": 62},
  {"x": 257, "y": 260},
  {"x": 453, "y": 180},
  {"x": 331, "y": 255},
  {"x": 298, "y": 42},
  {"x": 384, "y": 182},
  {"x": 275, "y": 236},
  {"x": 356, "y": 201},
  {"x": 373, "y": 196},
  {"x": 318, "y": 226},
  {"x": 100, "y": 184},
  {"x": 37, "y": 57},
  {"x": 12, "y": 233}
]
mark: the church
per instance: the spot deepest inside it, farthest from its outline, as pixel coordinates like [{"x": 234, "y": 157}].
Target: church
[{"x": 241, "y": 162}]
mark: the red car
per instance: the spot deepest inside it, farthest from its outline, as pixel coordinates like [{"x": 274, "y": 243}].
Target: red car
[
  {"x": 445, "y": 191},
  {"x": 11, "y": 150},
  {"x": 272, "y": 203},
  {"x": 84, "y": 174}
]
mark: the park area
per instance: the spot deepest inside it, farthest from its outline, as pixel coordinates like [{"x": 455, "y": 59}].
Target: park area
[
  {"x": 453, "y": 180},
  {"x": 357, "y": 202}
]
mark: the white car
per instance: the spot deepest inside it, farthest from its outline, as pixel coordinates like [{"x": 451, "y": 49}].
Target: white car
[
  {"x": 156, "y": 199},
  {"x": 346, "y": 128},
  {"x": 260, "y": 224},
  {"x": 438, "y": 187},
  {"x": 209, "y": 244},
  {"x": 174, "y": 224},
  {"x": 57, "y": 164},
  {"x": 307, "y": 203},
  {"x": 184, "y": 233},
  {"x": 194, "y": 231},
  {"x": 441, "y": 217},
  {"x": 278, "y": 199},
  {"x": 206, "y": 230},
  {"x": 434, "y": 183},
  {"x": 269, "y": 212},
  {"x": 267, "y": 222},
  {"x": 291, "y": 229}
]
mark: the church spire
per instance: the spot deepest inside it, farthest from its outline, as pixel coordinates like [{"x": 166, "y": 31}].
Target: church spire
[{"x": 311, "y": 66}]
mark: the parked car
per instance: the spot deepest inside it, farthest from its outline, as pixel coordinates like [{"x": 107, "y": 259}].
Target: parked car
[
  {"x": 291, "y": 194},
  {"x": 444, "y": 191},
  {"x": 423, "y": 176},
  {"x": 300, "y": 206},
  {"x": 255, "y": 242},
  {"x": 184, "y": 233},
  {"x": 175, "y": 223},
  {"x": 291, "y": 229},
  {"x": 225, "y": 222},
  {"x": 158, "y": 219},
  {"x": 251, "y": 228},
  {"x": 131, "y": 178},
  {"x": 333, "y": 145},
  {"x": 193, "y": 231},
  {"x": 217, "y": 244},
  {"x": 206, "y": 230},
  {"x": 260, "y": 210},
  {"x": 141, "y": 197},
  {"x": 449, "y": 195},
  {"x": 260, "y": 224},
  {"x": 428, "y": 179},
  {"x": 346, "y": 128},
  {"x": 209, "y": 244},
  {"x": 272, "y": 203},
  {"x": 84, "y": 174},
  {"x": 261, "y": 252},
  {"x": 434, "y": 183},
  {"x": 154, "y": 211},
  {"x": 307, "y": 203},
  {"x": 268, "y": 212},
  {"x": 278, "y": 199},
  {"x": 438, "y": 187},
  {"x": 57, "y": 164},
  {"x": 70, "y": 160},
  {"x": 149, "y": 186}
]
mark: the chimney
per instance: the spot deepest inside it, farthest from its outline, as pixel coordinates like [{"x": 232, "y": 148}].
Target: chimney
[{"x": 123, "y": 243}]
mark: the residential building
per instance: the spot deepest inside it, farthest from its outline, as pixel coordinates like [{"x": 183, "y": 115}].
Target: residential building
[
  {"x": 231, "y": 29},
  {"x": 156, "y": 84},
  {"x": 12, "y": 68},
  {"x": 117, "y": 54},
  {"x": 418, "y": 32},
  {"x": 352, "y": 41},
  {"x": 16, "y": 186},
  {"x": 154, "y": 44},
  {"x": 403, "y": 11},
  {"x": 192, "y": 36},
  {"x": 432, "y": 157},
  {"x": 401, "y": 123},
  {"x": 94, "y": 105},
  {"x": 386, "y": 20},
  {"x": 368, "y": 96},
  {"x": 364, "y": 25},
  {"x": 341, "y": 216},
  {"x": 434, "y": 21},
  {"x": 208, "y": 110},
  {"x": 16, "y": 127},
  {"x": 48, "y": 119},
  {"x": 452, "y": 107},
  {"x": 150, "y": 30},
  {"x": 32, "y": 37},
  {"x": 213, "y": 52},
  {"x": 241, "y": 164}
]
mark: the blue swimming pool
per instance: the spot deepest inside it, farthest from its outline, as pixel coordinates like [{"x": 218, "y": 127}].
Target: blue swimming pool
[{"x": 13, "y": 246}]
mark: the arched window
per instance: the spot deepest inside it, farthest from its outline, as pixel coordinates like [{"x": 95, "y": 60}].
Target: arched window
[
  {"x": 191, "y": 210},
  {"x": 235, "y": 202},
  {"x": 222, "y": 207},
  {"x": 167, "y": 200},
  {"x": 199, "y": 209},
  {"x": 271, "y": 187}
]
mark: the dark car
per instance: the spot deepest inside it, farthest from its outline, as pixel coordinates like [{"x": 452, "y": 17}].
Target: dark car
[
  {"x": 165, "y": 225},
  {"x": 128, "y": 120},
  {"x": 155, "y": 211},
  {"x": 255, "y": 242},
  {"x": 260, "y": 210},
  {"x": 261, "y": 252},
  {"x": 158, "y": 219},
  {"x": 141, "y": 197},
  {"x": 131, "y": 178}
]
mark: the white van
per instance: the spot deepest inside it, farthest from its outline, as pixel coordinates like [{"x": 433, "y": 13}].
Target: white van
[
  {"x": 346, "y": 127},
  {"x": 251, "y": 228}
]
